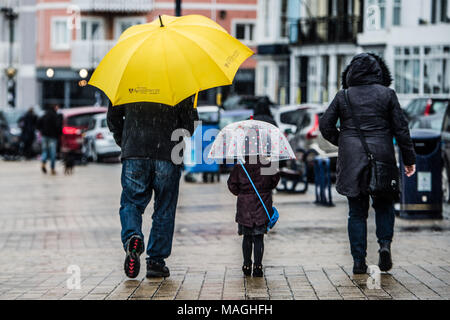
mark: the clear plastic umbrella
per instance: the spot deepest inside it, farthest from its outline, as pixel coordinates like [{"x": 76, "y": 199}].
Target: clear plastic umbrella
[{"x": 251, "y": 138}]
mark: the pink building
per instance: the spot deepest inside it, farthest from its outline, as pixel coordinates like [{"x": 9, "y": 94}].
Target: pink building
[{"x": 74, "y": 35}]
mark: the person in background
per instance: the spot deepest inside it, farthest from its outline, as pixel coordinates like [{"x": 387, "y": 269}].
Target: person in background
[
  {"x": 367, "y": 79},
  {"x": 262, "y": 112},
  {"x": 28, "y": 125},
  {"x": 50, "y": 126}
]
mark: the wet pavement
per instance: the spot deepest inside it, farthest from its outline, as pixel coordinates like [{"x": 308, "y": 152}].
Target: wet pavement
[{"x": 51, "y": 227}]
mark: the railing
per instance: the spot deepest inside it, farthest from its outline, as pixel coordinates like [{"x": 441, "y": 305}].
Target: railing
[
  {"x": 325, "y": 30},
  {"x": 5, "y": 54},
  {"x": 88, "y": 54},
  {"x": 115, "y": 5}
]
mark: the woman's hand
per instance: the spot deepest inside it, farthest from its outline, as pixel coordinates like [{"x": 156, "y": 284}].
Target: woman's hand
[{"x": 410, "y": 170}]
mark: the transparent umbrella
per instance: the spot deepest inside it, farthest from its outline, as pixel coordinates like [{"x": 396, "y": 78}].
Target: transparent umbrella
[{"x": 251, "y": 138}]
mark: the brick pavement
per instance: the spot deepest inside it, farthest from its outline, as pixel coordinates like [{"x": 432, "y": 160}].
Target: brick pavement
[{"x": 50, "y": 223}]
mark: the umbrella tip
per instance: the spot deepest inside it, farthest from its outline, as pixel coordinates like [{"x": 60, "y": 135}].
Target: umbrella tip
[
  {"x": 251, "y": 117},
  {"x": 160, "y": 21}
]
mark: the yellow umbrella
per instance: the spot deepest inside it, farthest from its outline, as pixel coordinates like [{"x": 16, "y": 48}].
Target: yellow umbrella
[{"x": 168, "y": 60}]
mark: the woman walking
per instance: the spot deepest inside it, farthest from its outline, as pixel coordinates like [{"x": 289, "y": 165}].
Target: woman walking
[{"x": 380, "y": 119}]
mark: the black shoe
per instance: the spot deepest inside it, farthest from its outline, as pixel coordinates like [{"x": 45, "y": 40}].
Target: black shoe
[
  {"x": 157, "y": 270},
  {"x": 385, "y": 261},
  {"x": 257, "y": 271},
  {"x": 247, "y": 270},
  {"x": 359, "y": 267},
  {"x": 43, "y": 168},
  {"x": 132, "y": 263}
]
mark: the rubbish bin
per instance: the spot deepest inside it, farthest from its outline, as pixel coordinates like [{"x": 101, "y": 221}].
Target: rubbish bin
[{"x": 421, "y": 194}]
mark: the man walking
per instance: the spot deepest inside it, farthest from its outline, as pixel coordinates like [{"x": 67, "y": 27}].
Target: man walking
[
  {"x": 144, "y": 131},
  {"x": 50, "y": 126},
  {"x": 28, "y": 125}
]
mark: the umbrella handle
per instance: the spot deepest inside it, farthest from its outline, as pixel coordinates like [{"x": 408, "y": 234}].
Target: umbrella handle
[
  {"x": 260, "y": 199},
  {"x": 195, "y": 100}
]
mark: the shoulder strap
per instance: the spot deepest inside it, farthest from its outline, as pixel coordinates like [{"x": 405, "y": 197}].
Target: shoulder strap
[
  {"x": 260, "y": 199},
  {"x": 358, "y": 126}
]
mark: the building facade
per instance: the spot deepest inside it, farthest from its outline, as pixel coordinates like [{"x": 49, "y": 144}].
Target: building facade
[
  {"x": 323, "y": 35},
  {"x": 17, "y": 53},
  {"x": 68, "y": 38}
]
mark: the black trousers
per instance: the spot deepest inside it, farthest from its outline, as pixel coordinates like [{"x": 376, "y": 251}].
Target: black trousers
[{"x": 253, "y": 243}]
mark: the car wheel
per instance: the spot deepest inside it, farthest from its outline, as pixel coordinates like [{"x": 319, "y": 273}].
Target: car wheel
[{"x": 445, "y": 185}]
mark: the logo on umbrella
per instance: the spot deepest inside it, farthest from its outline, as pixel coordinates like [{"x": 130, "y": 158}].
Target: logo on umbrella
[{"x": 143, "y": 90}]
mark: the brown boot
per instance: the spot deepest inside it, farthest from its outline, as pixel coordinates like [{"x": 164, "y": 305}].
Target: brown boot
[
  {"x": 43, "y": 168},
  {"x": 53, "y": 172}
]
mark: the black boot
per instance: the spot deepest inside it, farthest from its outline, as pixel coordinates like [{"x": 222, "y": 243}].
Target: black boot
[
  {"x": 385, "y": 261},
  {"x": 247, "y": 270},
  {"x": 258, "y": 271},
  {"x": 359, "y": 267},
  {"x": 157, "y": 270}
]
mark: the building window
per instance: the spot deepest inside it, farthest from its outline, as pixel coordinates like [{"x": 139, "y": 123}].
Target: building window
[
  {"x": 381, "y": 4},
  {"x": 396, "y": 14},
  {"x": 122, "y": 24},
  {"x": 60, "y": 34},
  {"x": 436, "y": 74},
  {"x": 91, "y": 29},
  {"x": 439, "y": 11},
  {"x": 244, "y": 31},
  {"x": 284, "y": 19}
]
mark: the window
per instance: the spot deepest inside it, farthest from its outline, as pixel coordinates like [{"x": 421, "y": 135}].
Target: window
[
  {"x": 439, "y": 11},
  {"x": 60, "y": 34},
  {"x": 284, "y": 19},
  {"x": 244, "y": 31},
  {"x": 91, "y": 29},
  {"x": 381, "y": 5},
  {"x": 123, "y": 24},
  {"x": 407, "y": 70},
  {"x": 436, "y": 71},
  {"x": 396, "y": 14}
]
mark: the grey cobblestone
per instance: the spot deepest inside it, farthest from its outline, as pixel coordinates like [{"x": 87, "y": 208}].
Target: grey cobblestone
[{"x": 50, "y": 223}]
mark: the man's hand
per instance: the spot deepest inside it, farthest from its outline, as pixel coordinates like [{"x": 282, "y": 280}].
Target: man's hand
[{"x": 410, "y": 170}]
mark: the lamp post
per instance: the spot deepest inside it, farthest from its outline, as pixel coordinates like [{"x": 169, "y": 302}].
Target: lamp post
[
  {"x": 10, "y": 71},
  {"x": 178, "y": 8}
]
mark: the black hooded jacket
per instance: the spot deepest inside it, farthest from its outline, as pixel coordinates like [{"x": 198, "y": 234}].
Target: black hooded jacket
[
  {"x": 144, "y": 130},
  {"x": 381, "y": 118}
]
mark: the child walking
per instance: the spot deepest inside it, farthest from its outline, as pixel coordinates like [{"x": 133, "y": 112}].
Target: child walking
[{"x": 251, "y": 216}]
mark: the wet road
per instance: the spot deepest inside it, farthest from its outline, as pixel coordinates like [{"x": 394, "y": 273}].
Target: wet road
[{"x": 51, "y": 223}]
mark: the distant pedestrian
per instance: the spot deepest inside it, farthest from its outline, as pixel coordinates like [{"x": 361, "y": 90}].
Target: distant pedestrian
[
  {"x": 251, "y": 216},
  {"x": 144, "y": 133},
  {"x": 50, "y": 126},
  {"x": 28, "y": 125},
  {"x": 380, "y": 119},
  {"x": 262, "y": 112}
]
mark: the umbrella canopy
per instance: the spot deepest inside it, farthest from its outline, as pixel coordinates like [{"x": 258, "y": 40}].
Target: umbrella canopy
[
  {"x": 251, "y": 138},
  {"x": 168, "y": 60}
]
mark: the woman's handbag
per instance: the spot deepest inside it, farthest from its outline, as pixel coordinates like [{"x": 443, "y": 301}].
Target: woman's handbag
[{"x": 383, "y": 176}]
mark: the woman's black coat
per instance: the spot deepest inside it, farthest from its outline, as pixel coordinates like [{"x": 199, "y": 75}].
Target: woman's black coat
[{"x": 381, "y": 118}]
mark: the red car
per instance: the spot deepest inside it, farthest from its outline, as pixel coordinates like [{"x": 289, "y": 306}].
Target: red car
[{"x": 75, "y": 122}]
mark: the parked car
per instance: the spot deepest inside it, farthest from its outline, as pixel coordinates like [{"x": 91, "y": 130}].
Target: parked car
[
  {"x": 433, "y": 122},
  {"x": 287, "y": 117},
  {"x": 237, "y": 102},
  {"x": 98, "y": 142},
  {"x": 309, "y": 142},
  {"x": 75, "y": 123},
  {"x": 425, "y": 107}
]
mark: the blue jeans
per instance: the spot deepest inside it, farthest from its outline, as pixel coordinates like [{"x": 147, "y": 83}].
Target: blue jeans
[
  {"x": 141, "y": 177},
  {"x": 357, "y": 223},
  {"x": 49, "y": 150}
]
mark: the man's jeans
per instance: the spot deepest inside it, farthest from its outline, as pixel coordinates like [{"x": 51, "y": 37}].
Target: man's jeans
[
  {"x": 49, "y": 150},
  {"x": 357, "y": 223},
  {"x": 140, "y": 177}
]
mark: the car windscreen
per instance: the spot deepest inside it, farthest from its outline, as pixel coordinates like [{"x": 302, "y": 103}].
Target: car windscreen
[
  {"x": 12, "y": 117},
  {"x": 439, "y": 106},
  {"x": 227, "y": 119},
  {"x": 104, "y": 124},
  {"x": 81, "y": 120},
  {"x": 209, "y": 117},
  {"x": 304, "y": 119},
  {"x": 292, "y": 117}
]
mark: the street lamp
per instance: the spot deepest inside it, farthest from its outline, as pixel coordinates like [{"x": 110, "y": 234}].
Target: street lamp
[
  {"x": 10, "y": 15},
  {"x": 178, "y": 8}
]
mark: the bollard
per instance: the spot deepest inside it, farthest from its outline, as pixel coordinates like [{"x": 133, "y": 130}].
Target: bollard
[{"x": 322, "y": 177}]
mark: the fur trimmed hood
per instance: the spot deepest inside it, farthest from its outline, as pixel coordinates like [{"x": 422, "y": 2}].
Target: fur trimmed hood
[{"x": 366, "y": 68}]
